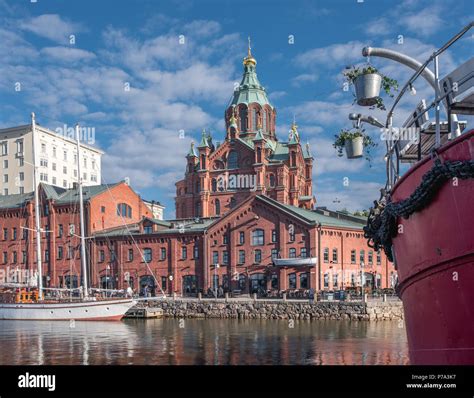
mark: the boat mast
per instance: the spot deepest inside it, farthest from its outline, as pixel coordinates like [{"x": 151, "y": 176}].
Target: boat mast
[
  {"x": 81, "y": 215},
  {"x": 37, "y": 209}
]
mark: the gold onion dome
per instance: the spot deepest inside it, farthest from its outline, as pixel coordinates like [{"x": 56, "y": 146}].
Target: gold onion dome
[{"x": 249, "y": 59}]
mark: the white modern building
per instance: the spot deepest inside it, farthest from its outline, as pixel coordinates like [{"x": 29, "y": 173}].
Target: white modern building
[
  {"x": 57, "y": 159},
  {"x": 156, "y": 208}
]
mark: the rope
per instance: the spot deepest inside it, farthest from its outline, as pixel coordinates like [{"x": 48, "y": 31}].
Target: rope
[{"x": 381, "y": 225}]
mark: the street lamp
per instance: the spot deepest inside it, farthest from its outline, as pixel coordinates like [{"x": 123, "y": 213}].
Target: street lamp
[
  {"x": 362, "y": 279},
  {"x": 216, "y": 267},
  {"x": 170, "y": 277}
]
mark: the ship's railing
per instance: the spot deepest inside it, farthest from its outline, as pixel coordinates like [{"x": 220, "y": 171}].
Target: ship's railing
[{"x": 393, "y": 155}]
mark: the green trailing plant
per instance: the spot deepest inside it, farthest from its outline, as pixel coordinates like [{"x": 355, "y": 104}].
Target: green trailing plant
[
  {"x": 388, "y": 85},
  {"x": 349, "y": 135}
]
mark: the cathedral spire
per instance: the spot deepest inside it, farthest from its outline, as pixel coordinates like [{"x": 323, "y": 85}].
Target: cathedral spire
[{"x": 249, "y": 59}]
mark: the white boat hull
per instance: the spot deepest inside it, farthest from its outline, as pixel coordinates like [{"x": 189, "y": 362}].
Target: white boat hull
[{"x": 100, "y": 310}]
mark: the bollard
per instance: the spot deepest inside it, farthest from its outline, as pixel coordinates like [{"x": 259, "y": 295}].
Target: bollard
[
  {"x": 255, "y": 296},
  {"x": 174, "y": 296},
  {"x": 385, "y": 298},
  {"x": 364, "y": 297},
  {"x": 199, "y": 296},
  {"x": 226, "y": 295},
  {"x": 284, "y": 297}
]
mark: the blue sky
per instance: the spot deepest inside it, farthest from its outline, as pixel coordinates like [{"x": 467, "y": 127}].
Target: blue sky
[{"x": 187, "y": 86}]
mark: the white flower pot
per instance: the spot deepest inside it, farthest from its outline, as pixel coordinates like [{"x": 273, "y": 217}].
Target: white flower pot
[
  {"x": 354, "y": 148},
  {"x": 367, "y": 88}
]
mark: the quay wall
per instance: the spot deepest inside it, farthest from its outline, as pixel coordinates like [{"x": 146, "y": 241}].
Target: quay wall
[{"x": 266, "y": 309}]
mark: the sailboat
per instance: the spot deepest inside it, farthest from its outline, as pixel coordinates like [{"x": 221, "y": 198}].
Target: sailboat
[{"x": 31, "y": 304}]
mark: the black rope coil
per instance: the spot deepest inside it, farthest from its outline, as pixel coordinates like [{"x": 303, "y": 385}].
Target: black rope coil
[{"x": 382, "y": 221}]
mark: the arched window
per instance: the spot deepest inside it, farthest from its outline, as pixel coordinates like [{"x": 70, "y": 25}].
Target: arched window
[
  {"x": 197, "y": 209},
  {"x": 147, "y": 255},
  {"x": 272, "y": 180},
  {"x": 259, "y": 155},
  {"x": 203, "y": 162},
  {"x": 124, "y": 210},
  {"x": 254, "y": 119},
  {"x": 265, "y": 120},
  {"x": 218, "y": 207},
  {"x": 243, "y": 119},
  {"x": 214, "y": 185},
  {"x": 293, "y": 158},
  {"x": 258, "y": 237},
  {"x": 258, "y": 256},
  {"x": 233, "y": 160}
]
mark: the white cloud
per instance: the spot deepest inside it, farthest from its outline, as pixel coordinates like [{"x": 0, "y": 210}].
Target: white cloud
[
  {"x": 334, "y": 54},
  {"x": 52, "y": 27},
  {"x": 304, "y": 78},
  {"x": 67, "y": 54}
]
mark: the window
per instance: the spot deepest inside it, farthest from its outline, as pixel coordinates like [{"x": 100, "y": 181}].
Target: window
[
  {"x": 370, "y": 258},
  {"x": 353, "y": 256},
  {"x": 101, "y": 256},
  {"x": 102, "y": 209},
  {"x": 258, "y": 237},
  {"x": 254, "y": 119},
  {"x": 21, "y": 190},
  {"x": 44, "y": 162},
  {"x": 5, "y": 233},
  {"x": 85, "y": 162},
  {"x": 5, "y": 178},
  {"x": 21, "y": 162},
  {"x": 215, "y": 257},
  {"x": 130, "y": 254},
  {"x": 43, "y": 148},
  {"x": 272, "y": 180},
  {"x": 334, "y": 280},
  {"x": 225, "y": 257},
  {"x": 232, "y": 203},
  {"x": 163, "y": 254},
  {"x": 274, "y": 235},
  {"x": 124, "y": 210},
  {"x": 334, "y": 255},
  {"x": 4, "y": 148},
  {"x": 54, "y": 151},
  {"x": 243, "y": 119},
  {"x": 242, "y": 282},
  {"x": 196, "y": 251},
  {"x": 5, "y": 257},
  {"x": 60, "y": 230},
  {"x": 292, "y": 281},
  {"x": 54, "y": 180},
  {"x": 148, "y": 229},
  {"x": 147, "y": 255},
  {"x": 197, "y": 209},
  {"x": 274, "y": 253},
  {"x": 163, "y": 282},
  {"x": 93, "y": 178},
  {"x": 362, "y": 257},
  {"x": 84, "y": 176},
  {"x": 23, "y": 256},
  {"x": 304, "y": 281},
  {"x": 54, "y": 166},
  {"x": 292, "y": 253},
  {"x": 265, "y": 117},
  {"x": 233, "y": 160},
  {"x": 258, "y": 256},
  {"x": 326, "y": 280},
  {"x": 64, "y": 184},
  {"x": 225, "y": 239},
  {"x": 21, "y": 175},
  {"x": 25, "y": 233},
  {"x": 303, "y": 252},
  {"x": 326, "y": 255},
  {"x": 218, "y": 207},
  {"x": 65, "y": 155},
  {"x": 46, "y": 256},
  {"x": 60, "y": 253},
  {"x": 214, "y": 185},
  {"x": 241, "y": 256},
  {"x": 14, "y": 257},
  {"x": 379, "y": 257},
  {"x": 5, "y": 164},
  {"x": 274, "y": 281},
  {"x": 292, "y": 233},
  {"x": 184, "y": 253},
  {"x": 44, "y": 177},
  {"x": 14, "y": 234},
  {"x": 241, "y": 238}
]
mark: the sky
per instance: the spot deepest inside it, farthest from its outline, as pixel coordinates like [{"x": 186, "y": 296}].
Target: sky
[{"x": 123, "y": 69}]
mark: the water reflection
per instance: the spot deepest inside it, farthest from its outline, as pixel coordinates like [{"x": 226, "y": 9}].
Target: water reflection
[{"x": 202, "y": 342}]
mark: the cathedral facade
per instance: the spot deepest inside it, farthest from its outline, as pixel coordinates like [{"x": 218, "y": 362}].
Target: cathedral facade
[{"x": 250, "y": 161}]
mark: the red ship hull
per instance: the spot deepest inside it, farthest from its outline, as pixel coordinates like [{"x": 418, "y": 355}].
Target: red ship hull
[{"x": 434, "y": 254}]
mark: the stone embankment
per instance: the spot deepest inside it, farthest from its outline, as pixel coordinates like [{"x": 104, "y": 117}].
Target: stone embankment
[{"x": 278, "y": 309}]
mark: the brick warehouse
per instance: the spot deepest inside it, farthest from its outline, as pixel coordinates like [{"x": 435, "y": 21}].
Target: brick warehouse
[{"x": 244, "y": 221}]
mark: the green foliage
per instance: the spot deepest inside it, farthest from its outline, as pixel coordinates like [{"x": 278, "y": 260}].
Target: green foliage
[
  {"x": 348, "y": 135},
  {"x": 387, "y": 83}
]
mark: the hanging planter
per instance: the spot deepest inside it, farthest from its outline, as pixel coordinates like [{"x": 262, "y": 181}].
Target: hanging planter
[
  {"x": 355, "y": 143},
  {"x": 367, "y": 83}
]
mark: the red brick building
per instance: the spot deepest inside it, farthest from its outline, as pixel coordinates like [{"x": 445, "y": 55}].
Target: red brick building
[{"x": 245, "y": 221}]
